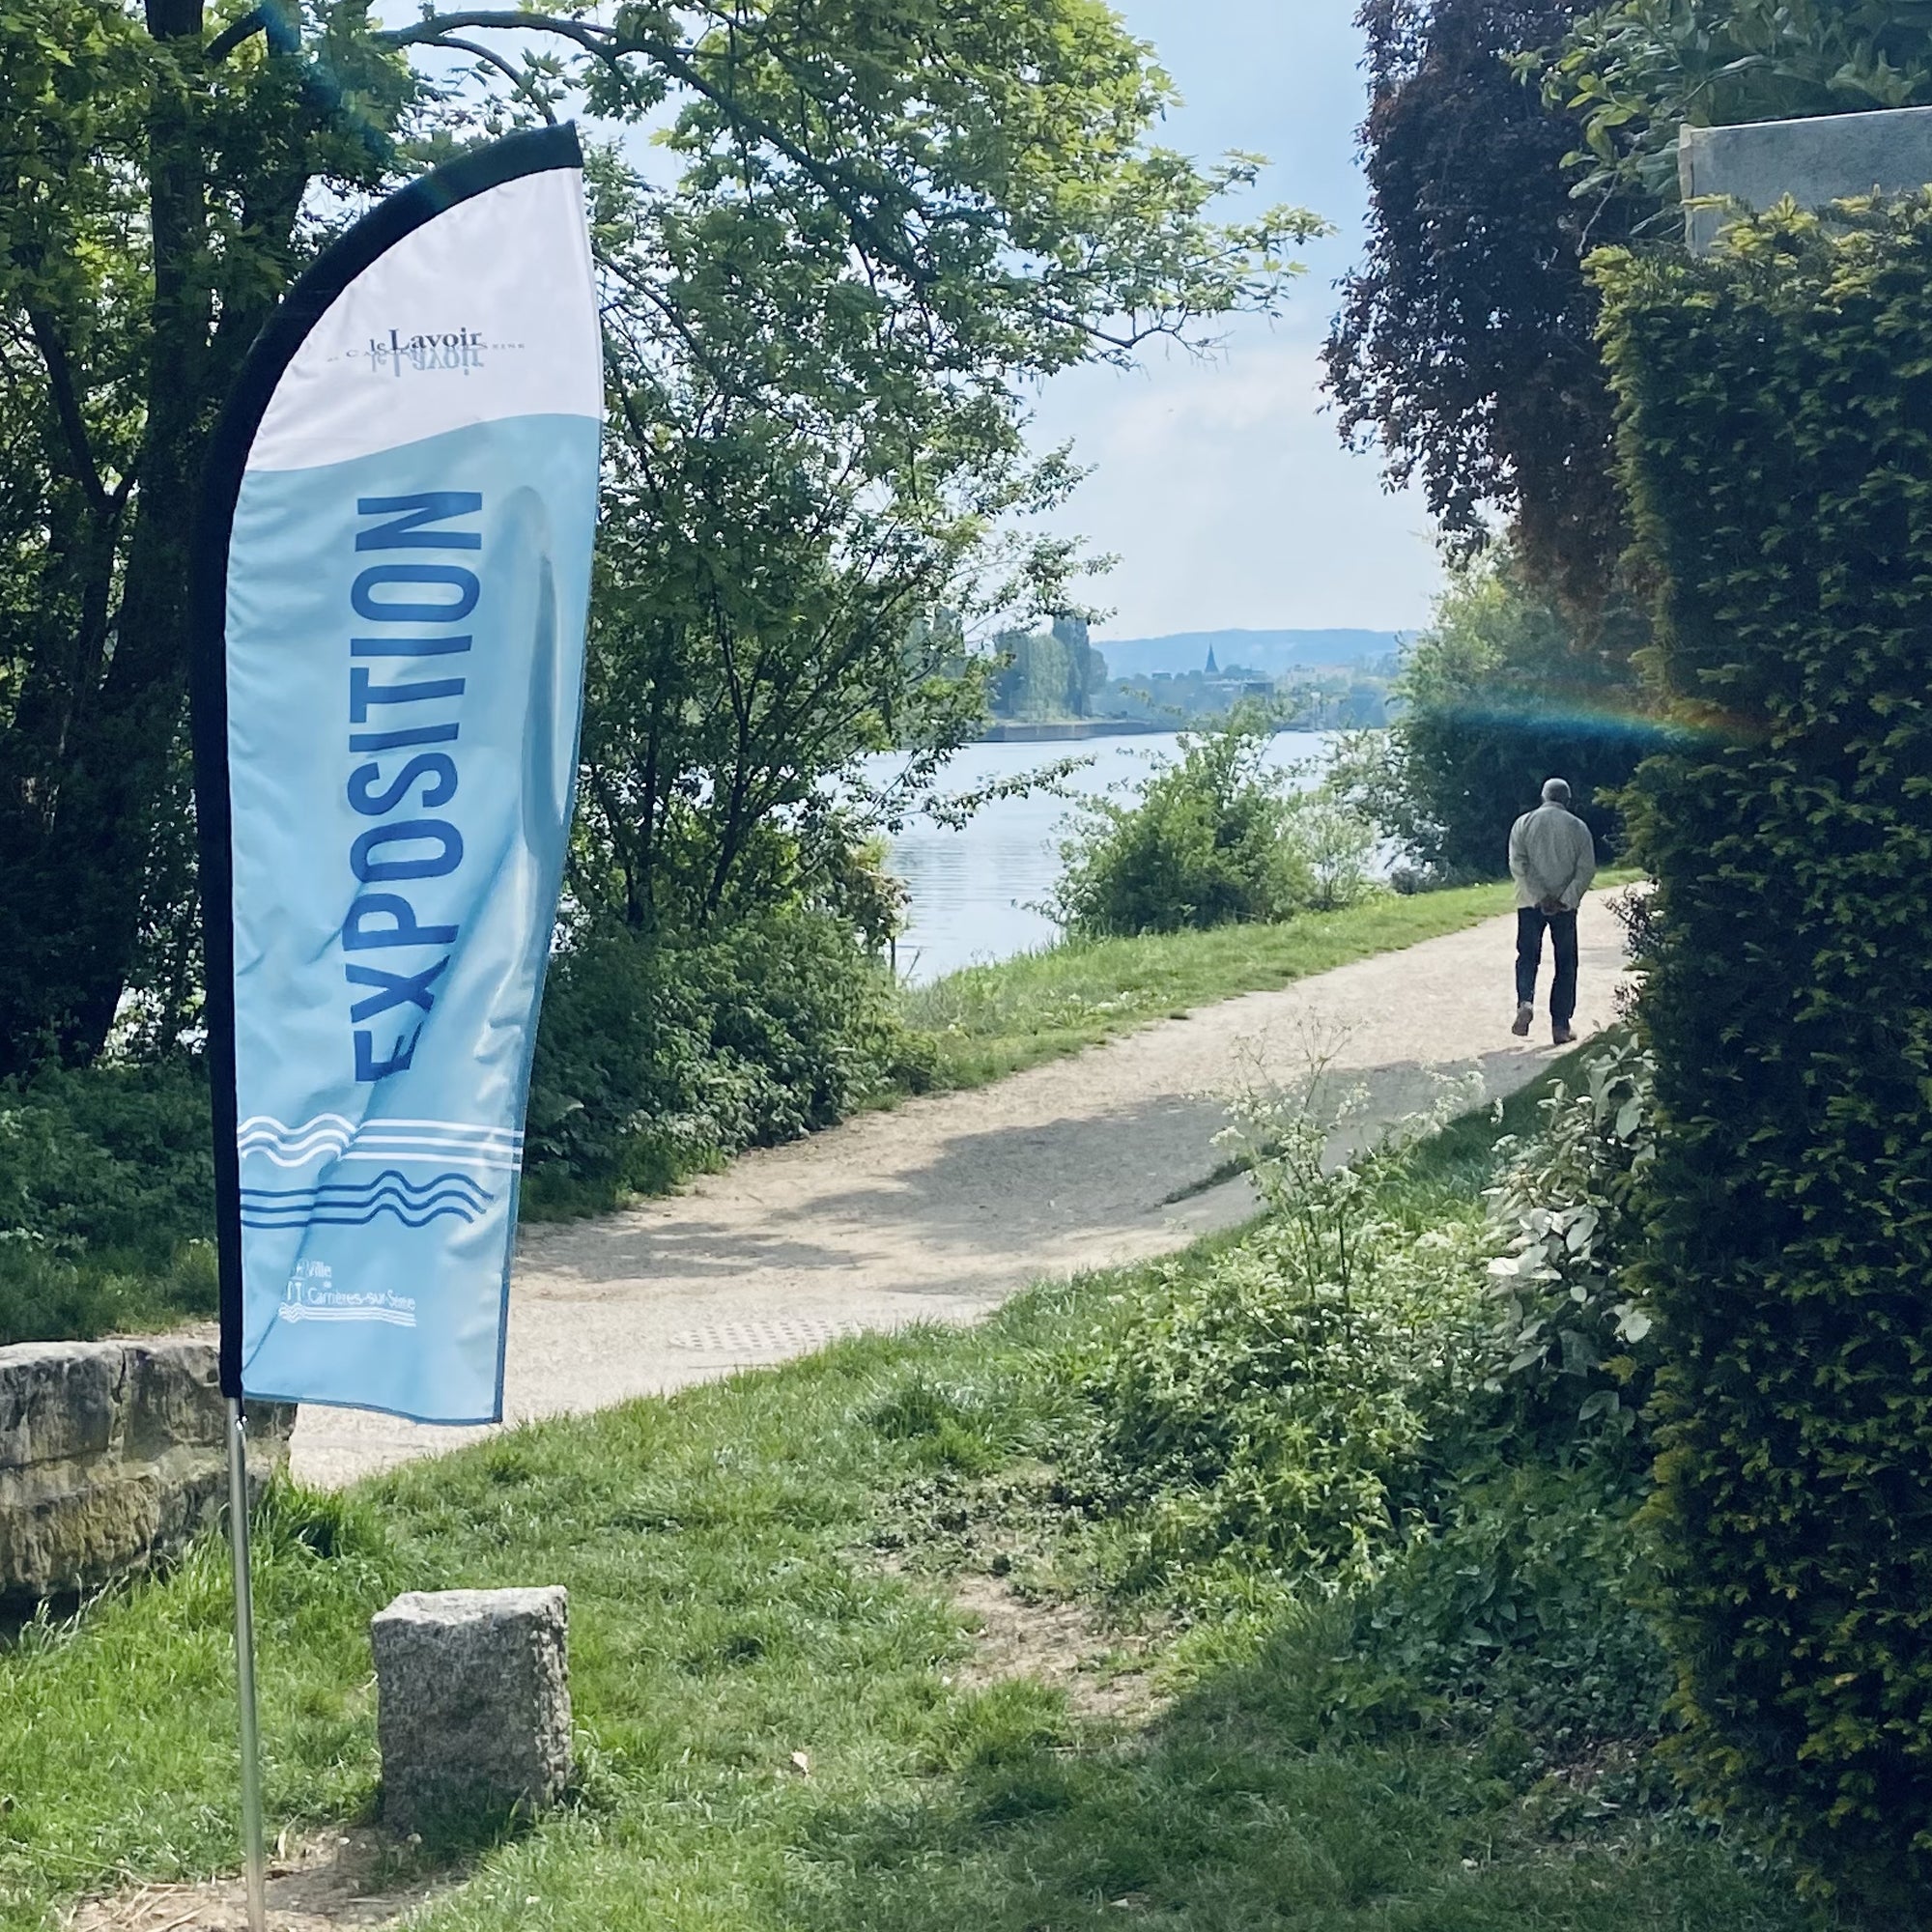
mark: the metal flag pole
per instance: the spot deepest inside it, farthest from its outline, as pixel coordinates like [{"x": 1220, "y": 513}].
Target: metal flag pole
[{"x": 244, "y": 1667}]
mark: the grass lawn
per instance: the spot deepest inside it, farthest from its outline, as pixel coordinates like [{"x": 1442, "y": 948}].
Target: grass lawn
[
  {"x": 781, "y": 1725},
  {"x": 993, "y": 1021}
]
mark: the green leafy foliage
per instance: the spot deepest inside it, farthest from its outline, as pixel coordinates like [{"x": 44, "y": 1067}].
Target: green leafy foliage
[
  {"x": 1569, "y": 1201},
  {"x": 1255, "y": 1411},
  {"x": 659, "y": 1058},
  {"x": 1500, "y": 693},
  {"x": 1279, "y": 1403},
  {"x": 1779, "y": 448},
  {"x": 1340, "y": 1407},
  {"x": 1523, "y": 1607},
  {"x": 1636, "y": 71},
  {"x": 1215, "y": 837},
  {"x": 106, "y": 1190}
]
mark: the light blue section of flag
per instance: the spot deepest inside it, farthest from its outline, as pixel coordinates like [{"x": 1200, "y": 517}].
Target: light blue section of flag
[{"x": 402, "y": 736}]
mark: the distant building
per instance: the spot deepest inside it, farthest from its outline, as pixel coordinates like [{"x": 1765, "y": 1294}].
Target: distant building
[{"x": 1214, "y": 669}]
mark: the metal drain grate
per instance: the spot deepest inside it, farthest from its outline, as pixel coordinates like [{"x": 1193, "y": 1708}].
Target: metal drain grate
[{"x": 762, "y": 1338}]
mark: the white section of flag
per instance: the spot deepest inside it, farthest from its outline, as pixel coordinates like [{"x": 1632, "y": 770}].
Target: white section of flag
[{"x": 531, "y": 309}]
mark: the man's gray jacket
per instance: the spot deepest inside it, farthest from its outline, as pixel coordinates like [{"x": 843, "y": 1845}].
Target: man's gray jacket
[{"x": 1551, "y": 857}]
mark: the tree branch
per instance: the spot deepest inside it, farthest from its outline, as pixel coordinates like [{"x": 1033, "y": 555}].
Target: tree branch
[
  {"x": 519, "y": 81},
  {"x": 67, "y": 406},
  {"x": 265, "y": 19},
  {"x": 599, "y": 41},
  {"x": 680, "y": 61}
]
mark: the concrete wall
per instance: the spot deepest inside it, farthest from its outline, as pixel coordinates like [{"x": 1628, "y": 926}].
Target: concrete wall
[
  {"x": 113, "y": 1454},
  {"x": 1826, "y": 159}
]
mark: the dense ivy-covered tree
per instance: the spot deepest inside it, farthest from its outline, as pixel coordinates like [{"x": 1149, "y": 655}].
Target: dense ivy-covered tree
[
  {"x": 1465, "y": 347},
  {"x": 970, "y": 181},
  {"x": 1774, "y": 404}
]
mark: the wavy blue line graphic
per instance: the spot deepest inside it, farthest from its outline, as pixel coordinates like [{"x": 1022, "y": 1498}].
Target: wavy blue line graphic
[
  {"x": 354, "y": 1204},
  {"x": 364, "y": 1197},
  {"x": 390, "y": 1177},
  {"x": 328, "y": 1219}
]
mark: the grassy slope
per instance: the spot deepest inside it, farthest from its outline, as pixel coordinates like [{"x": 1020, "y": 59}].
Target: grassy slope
[
  {"x": 730, "y": 1609},
  {"x": 993, "y": 1021}
]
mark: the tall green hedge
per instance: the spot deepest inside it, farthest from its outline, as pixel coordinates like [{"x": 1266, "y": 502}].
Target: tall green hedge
[{"x": 1777, "y": 423}]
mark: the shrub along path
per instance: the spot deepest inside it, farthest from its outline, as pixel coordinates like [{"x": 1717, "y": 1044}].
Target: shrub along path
[{"x": 943, "y": 1207}]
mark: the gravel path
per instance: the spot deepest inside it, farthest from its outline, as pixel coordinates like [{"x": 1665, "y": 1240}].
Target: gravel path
[{"x": 941, "y": 1209}]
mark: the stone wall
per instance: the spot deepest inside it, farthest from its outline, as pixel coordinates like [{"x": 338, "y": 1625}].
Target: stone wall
[
  {"x": 1825, "y": 158},
  {"x": 113, "y": 1454}
]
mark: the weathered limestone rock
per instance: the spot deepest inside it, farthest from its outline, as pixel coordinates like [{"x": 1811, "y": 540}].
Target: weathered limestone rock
[
  {"x": 113, "y": 1454},
  {"x": 472, "y": 1692},
  {"x": 1817, "y": 160}
]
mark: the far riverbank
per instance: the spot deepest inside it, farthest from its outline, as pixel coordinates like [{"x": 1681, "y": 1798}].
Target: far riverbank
[{"x": 1061, "y": 731}]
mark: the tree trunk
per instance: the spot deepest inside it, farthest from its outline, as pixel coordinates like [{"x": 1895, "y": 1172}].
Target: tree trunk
[
  {"x": 118, "y": 762},
  {"x": 87, "y": 765}
]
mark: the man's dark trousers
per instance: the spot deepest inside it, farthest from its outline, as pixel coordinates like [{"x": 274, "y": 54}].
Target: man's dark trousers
[{"x": 1530, "y": 925}]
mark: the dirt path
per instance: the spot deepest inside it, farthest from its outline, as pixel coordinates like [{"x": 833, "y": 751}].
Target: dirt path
[{"x": 938, "y": 1211}]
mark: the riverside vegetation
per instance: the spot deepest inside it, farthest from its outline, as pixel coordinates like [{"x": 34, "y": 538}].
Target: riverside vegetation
[
  {"x": 1333, "y": 1527},
  {"x": 820, "y": 309},
  {"x": 665, "y": 1049},
  {"x": 654, "y": 1064}
]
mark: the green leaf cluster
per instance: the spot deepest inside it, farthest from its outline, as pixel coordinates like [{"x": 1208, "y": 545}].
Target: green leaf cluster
[
  {"x": 1569, "y": 1199},
  {"x": 1217, "y": 837},
  {"x": 1502, "y": 690},
  {"x": 660, "y": 1055},
  {"x": 1636, "y": 71},
  {"x": 1285, "y": 1407},
  {"x": 1776, "y": 426}
]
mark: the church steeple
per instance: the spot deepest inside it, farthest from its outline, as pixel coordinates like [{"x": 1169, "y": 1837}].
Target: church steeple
[{"x": 1214, "y": 669}]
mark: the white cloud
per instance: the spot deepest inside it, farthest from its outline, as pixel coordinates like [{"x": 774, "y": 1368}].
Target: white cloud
[{"x": 1230, "y": 500}]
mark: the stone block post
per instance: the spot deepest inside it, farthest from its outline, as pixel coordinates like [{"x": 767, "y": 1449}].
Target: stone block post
[{"x": 473, "y": 1702}]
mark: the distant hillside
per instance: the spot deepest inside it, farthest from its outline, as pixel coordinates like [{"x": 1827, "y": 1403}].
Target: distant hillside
[{"x": 1270, "y": 652}]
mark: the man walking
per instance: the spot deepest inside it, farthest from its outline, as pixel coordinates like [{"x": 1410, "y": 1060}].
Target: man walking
[{"x": 1552, "y": 859}]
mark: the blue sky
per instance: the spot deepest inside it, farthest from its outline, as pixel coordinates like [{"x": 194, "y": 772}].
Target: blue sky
[{"x": 1221, "y": 487}]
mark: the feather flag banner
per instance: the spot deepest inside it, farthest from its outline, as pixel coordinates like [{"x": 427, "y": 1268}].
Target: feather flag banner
[{"x": 391, "y": 581}]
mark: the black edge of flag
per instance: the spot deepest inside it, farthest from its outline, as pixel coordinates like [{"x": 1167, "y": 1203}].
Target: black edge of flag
[{"x": 533, "y": 151}]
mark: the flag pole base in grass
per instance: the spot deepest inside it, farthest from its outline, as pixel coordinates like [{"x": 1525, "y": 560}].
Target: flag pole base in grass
[{"x": 245, "y": 1668}]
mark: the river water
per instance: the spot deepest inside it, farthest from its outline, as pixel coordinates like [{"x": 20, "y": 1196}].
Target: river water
[{"x": 976, "y": 892}]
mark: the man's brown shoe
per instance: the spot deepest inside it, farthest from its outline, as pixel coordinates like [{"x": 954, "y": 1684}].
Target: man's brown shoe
[
  {"x": 1562, "y": 1034},
  {"x": 1520, "y": 1026}
]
